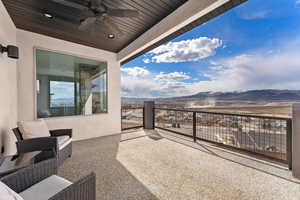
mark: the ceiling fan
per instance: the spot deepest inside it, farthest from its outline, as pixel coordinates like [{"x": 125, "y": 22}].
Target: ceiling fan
[{"x": 98, "y": 17}]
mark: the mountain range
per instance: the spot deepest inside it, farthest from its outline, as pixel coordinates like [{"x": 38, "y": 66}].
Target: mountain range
[{"x": 251, "y": 95}]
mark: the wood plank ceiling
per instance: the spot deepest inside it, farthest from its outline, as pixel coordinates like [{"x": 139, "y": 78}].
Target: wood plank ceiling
[{"x": 29, "y": 15}]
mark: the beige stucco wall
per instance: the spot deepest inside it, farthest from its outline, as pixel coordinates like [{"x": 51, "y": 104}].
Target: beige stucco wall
[
  {"x": 8, "y": 83},
  {"x": 83, "y": 126}
]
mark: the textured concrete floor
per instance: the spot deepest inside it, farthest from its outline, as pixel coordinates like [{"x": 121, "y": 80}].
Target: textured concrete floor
[{"x": 160, "y": 165}]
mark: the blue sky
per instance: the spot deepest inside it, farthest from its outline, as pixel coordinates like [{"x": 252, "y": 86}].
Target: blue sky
[{"x": 253, "y": 46}]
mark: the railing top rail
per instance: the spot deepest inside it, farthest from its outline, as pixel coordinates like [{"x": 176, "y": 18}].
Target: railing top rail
[{"x": 228, "y": 114}]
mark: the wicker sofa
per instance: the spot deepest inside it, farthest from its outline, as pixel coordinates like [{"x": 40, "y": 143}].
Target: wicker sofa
[
  {"x": 60, "y": 142},
  {"x": 40, "y": 181}
]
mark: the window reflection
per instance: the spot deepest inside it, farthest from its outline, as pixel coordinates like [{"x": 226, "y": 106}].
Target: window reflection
[{"x": 69, "y": 85}]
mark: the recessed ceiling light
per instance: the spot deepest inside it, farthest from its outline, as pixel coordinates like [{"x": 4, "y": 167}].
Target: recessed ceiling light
[
  {"x": 48, "y": 15},
  {"x": 111, "y": 36}
]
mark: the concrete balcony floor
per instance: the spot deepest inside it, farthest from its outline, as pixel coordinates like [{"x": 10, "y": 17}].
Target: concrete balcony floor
[{"x": 161, "y": 165}]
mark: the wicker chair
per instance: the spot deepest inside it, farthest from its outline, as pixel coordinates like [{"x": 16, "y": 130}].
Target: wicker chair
[
  {"x": 46, "y": 143},
  {"x": 39, "y": 181}
]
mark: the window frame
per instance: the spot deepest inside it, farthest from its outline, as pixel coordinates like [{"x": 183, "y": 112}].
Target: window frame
[{"x": 35, "y": 49}]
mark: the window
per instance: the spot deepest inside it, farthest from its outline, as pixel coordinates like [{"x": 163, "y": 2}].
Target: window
[{"x": 69, "y": 85}]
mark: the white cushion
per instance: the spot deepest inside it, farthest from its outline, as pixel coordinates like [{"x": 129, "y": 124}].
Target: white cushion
[
  {"x": 8, "y": 194},
  {"x": 46, "y": 188},
  {"x": 34, "y": 129},
  {"x": 63, "y": 141}
]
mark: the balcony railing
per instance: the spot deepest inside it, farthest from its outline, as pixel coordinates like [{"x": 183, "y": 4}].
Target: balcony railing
[
  {"x": 132, "y": 117},
  {"x": 262, "y": 135}
]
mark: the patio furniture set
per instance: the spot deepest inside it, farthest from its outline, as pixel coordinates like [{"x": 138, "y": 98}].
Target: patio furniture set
[{"x": 31, "y": 174}]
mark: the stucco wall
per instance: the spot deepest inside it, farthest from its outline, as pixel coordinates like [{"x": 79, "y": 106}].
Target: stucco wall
[
  {"x": 83, "y": 126},
  {"x": 8, "y": 84}
]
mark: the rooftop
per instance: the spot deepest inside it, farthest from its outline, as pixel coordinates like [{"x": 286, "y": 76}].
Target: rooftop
[{"x": 162, "y": 165}]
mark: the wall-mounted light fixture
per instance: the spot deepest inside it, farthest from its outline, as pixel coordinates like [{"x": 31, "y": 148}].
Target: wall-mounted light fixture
[{"x": 12, "y": 51}]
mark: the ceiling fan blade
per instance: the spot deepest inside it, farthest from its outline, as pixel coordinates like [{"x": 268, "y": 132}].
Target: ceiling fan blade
[
  {"x": 87, "y": 13},
  {"x": 122, "y": 12},
  {"x": 71, "y": 4},
  {"x": 96, "y": 3},
  {"x": 99, "y": 29},
  {"x": 87, "y": 23},
  {"x": 112, "y": 27}
]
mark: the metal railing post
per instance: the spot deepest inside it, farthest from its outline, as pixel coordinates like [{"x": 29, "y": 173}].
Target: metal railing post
[
  {"x": 143, "y": 117},
  {"x": 121, "y": 118},
  {"x": 154, "y": 117},
  {"x": 149, "y": 115},
  {"x": 194, "y": 126},
  {"x": 289, "y": 151}
]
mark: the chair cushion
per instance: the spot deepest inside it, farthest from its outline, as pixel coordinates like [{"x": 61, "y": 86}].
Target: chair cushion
[
  {"x": 63, "y": 141},
  {"x": 8, "y": 194},
  {"x": 34, "y": 129},
  {"x": 46, "y": 188}
]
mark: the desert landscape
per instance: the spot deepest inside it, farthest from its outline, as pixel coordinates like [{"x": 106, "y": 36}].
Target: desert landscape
[
  {"x": 261, "y": 108},
  {"x": 257, "y": 121},
  {"x": 277, "y": 103}
]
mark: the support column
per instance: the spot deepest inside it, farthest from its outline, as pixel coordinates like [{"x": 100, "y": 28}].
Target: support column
[
  {"x": 149, "y": 115},
  {"x": 296, "y": 141}
]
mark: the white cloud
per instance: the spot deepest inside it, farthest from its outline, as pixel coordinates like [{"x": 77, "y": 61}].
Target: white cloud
[
  {"x": 147, "y": 60},
  {"x": 152, "y": 87},
  {"x": 172, "y": 76},
  {"x": 138, "y": 87},
  {"x": 297, "y": 2},
  {"x": 136, "y": 71},
  {"x": 254, "y": 15},
  {"x": 259, "y": 71},
  {"x": 244, "y": 72},
  {"x": 217, "y": 67},
  {"x": 62, "y": 89},
  {"x": 185, "y": 50}
]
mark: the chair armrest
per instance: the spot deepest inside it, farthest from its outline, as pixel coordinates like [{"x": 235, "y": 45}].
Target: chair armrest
[
  {"x": 37, "y": 144},
  {"x": 61, "y": 132},
  {"x": 26, "y": 177},
  {"x": 83, "y": 189}
]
